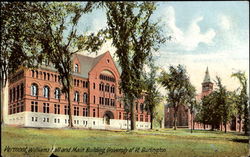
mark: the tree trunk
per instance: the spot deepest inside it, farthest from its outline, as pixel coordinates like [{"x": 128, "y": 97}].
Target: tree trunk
[
  {"x": 70, "y": 110},
  {"x": 204, "y": 125},
  {"x": 1, "y": 101},
  {"x": 239, "y": 124},
  {"x": 212, "y": 127},
  {"x": 192, "y": 122},
  {"x": 151, "y": 119},
  {"x": 132, "y": 120},
  {"x": 175, "y": 118},
  {"x": 225, "y": 125}
]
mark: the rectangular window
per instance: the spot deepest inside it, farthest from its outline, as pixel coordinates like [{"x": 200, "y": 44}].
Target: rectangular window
[
  {"x": 45, "y": 107},
  {"x": 56, "y": 108},
  {"x": 141, "y": 118},
  {"x": 93, "y": 112},
  {"x": 66, "y": 110},
  {"x": 146, "y": 118},
  {"x": 94, "y": 85},
  {"x": 34, "y": 106},
  {"x": 85, "y": 112},
  {"x": 120, "y": 115},
  {"x": 76, "y": 111}
]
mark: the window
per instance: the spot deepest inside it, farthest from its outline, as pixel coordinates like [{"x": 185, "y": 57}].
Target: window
[
  {"x": 56, "y": 108},
  {"x": 141, "y": 118},
  {"x": 146, "y": 118},
  {"x": 55, "y": 78},
  {"x": 141, "y": 107},
  {"x": 33, "y": 73},
  {"x": 34, "y": 106},
  {"x": 14, "y": 94},
  {"x": 22, "y": 107},
  {"x": 124, "y": 116},
  {"x": 11, "y": 95},
  {"x": 76, "y": 98},
  {"x": 45, "y": 107},
  {"x": 57, "y": 93},
  {"x": 48, "y": 76},
  {"x": 85, "y": 112},
  {"x": 120, "y": 115},
  {"x": 66, "y": 110},
  {"x": 46, "y": 92},
  {"x": 94, "y": 85},
  {"x": 85, "y": 98},
  {"x": 107, "y": 88},
  {"x": 77, "y": 83},
  {"x": 93, "y": 112},
  {"x": 76, "y": 111},
  {"x": 18, "y": 92},
  {"x": 76, "y": 68},
  {"x": 34, "y": 90},
  {"x": 44, "y": 75},
  {"x": 22, "y": 91}
]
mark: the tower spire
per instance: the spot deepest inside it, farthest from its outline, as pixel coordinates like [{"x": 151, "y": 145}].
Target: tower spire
[{"x": 207, "y": 77}]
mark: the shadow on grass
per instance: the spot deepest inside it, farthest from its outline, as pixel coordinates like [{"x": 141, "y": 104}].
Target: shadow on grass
[{"x": 240, "y": 140}]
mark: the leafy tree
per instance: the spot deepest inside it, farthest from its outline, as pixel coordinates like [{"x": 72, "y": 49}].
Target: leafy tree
[
  {"x": 135, "y": 36},
  {"x": 179, "y": 88},
  {"x": 191, "y": 103},
  {"x": 242, "y": 105},
  {"x": 59, "y": 47},
  {"x": 20, "y": 27},
  {"x": 153, "y": 96}
]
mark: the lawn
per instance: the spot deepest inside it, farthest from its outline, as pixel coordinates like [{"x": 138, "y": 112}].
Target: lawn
[{"x": 166, "y": 142}]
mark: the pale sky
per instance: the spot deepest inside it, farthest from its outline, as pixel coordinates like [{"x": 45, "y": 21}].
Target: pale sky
[{"x": 205, "y": 34}]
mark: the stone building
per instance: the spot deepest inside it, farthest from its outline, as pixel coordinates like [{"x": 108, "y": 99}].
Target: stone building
[{"x": 36, "y": 100}]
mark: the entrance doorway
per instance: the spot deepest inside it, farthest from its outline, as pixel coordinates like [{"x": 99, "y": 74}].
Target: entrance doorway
[{"x": 107, "y": 116}]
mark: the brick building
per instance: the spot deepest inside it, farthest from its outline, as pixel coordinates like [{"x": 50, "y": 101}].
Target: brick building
[{"x": 35, "y": 98}]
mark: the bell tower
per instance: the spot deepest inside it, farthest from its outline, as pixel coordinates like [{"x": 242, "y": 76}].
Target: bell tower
[{"x": 207, "y": 85}]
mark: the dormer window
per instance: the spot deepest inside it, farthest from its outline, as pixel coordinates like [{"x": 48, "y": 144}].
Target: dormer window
[{"x": 76, "y": 68}]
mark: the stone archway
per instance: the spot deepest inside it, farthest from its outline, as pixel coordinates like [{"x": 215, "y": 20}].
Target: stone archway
[{"x": 107, "y": 116}]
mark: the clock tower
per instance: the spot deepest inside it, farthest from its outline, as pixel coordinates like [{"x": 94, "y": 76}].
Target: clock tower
[{"x": 207, "y": 85}]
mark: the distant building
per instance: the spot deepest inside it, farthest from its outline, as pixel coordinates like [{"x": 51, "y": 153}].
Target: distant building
[
  {"x": 184, "y": 116},
  {"x": 36, "y": 100}
]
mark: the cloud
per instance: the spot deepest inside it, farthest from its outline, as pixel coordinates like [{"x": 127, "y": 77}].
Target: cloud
[
  {"x": 224, "y": 22},
  {"x": 192, "y": 37}
]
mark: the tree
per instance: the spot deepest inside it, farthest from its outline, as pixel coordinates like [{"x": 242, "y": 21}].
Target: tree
[
  {"x": 242, "y": 104},
  {"x": 153, "y": 96},
  {"x": 135, "y": 36},
  {"x": 20, "y": 27},
  {"x": 192, "y": 104},
  {"x": 59, "y": 47},
  {"x": 179, "y": 88}
]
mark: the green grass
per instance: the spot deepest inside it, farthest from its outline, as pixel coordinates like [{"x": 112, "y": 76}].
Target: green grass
[{"x": 172, "y": 142}]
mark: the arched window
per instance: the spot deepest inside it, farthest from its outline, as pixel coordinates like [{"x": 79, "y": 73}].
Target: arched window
[
  {"x": 76, "y": 68},
  {"x": 76, "y": 98},
  {"x": 57, "y": 93},
  {"x": 33, "y": 73},
  {"x": 85, "y": 98},
  {"x": 34, "y": 90},
  {"x": 44, "y": 75},
  {"x": 46, "y": 92}
]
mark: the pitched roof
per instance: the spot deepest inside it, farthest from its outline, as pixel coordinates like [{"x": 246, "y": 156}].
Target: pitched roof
[
  {"x": 87, "y": 63},
  {"x": 207, "y": 77}
]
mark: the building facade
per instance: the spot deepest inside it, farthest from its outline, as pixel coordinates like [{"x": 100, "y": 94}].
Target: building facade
[{"x": 36, "y": 100}]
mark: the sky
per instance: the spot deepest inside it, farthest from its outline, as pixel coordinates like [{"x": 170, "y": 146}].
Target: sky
[{"x": 204, "y": 34}]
